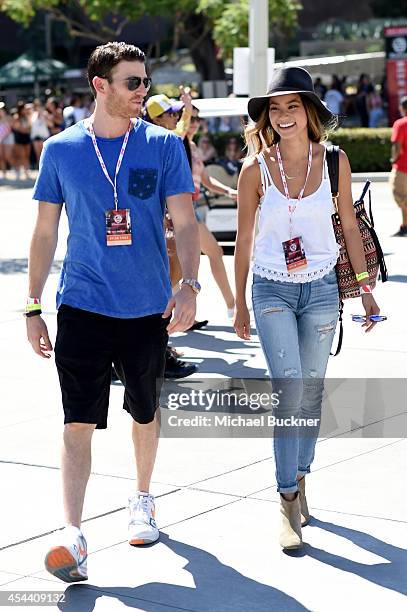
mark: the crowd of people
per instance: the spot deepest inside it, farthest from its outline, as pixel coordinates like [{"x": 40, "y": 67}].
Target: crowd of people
[
  {"x": 362, "y": 106},
  {"x": 25, "y": 128}
]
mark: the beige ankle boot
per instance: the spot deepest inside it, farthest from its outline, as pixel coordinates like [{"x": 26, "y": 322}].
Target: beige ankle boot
[
  {"x": 290, "y": 535},
  {"x": 305, "y": 515}
]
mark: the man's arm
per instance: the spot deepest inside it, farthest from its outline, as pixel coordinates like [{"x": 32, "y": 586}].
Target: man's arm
[
  {"x": 395, "y": 152},
  {"x": 188, "y": 251},
  {"x": 42, "y": 250}
]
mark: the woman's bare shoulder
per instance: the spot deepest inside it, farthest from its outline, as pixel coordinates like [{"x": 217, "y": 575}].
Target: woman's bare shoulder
[
  {"x": 252, "y": 161},
  {"x": 250, "y": 167}
]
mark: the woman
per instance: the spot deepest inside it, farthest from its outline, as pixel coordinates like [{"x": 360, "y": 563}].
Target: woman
[
  {"x": 295, "y": 291},
  {"x": 209, "y": 245},
  {"x": 39, "y": 128},
  {"x": 365, "y": 88},
  {"x": 21, "y": 125},
  {"x": 207, "y": 150},
  {"x": 173, "y": 115},
  {"x": 6, "y": 141},
  {"x": 55, "y": 119},
  {"x": 166, "y": 113}
]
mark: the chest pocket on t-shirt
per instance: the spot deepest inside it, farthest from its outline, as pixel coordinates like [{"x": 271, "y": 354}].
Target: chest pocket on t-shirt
[{"x": 142, "y": 182}]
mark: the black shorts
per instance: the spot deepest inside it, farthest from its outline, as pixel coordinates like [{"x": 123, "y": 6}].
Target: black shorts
[{"x": 86, "y": 346}]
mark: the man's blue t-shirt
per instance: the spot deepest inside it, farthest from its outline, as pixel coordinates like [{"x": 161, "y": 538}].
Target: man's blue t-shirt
[{"x": 117, "y": 281}]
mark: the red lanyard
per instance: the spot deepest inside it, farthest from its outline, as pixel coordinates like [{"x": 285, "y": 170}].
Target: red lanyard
[
  {"x": 291, "y": 207},
  {"x": 119, "y": 161}
]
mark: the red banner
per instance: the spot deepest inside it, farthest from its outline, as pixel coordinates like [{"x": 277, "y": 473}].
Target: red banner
[{"x": 396, "y": 68}]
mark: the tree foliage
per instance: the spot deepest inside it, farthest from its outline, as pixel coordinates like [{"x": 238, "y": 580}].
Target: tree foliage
[{"x": 104, "y": 19}]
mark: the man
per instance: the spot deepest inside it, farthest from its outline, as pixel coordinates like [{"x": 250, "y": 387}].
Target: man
[
  {"x": 398, "y": 176},
  {"x": 76, "y": 111},
  {"x": 114, "y": 297}
]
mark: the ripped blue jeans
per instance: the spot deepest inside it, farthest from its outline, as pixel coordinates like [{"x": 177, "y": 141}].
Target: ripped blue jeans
[{"x": 296, "y": 324}]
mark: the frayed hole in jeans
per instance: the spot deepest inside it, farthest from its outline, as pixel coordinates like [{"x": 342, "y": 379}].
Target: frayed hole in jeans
[
  {"x": 271, "y": 310},
  {"x": 324, "y": 330}
]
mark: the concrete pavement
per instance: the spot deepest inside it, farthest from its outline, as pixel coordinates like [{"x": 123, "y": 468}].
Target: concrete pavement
[{"x": 217, "y": 505}]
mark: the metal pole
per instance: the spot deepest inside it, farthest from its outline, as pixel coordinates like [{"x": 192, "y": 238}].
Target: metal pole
[{"x": 258, "y": 43}]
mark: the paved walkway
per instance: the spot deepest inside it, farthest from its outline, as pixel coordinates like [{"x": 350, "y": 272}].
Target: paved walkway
[{"x": 217, "y": 505}]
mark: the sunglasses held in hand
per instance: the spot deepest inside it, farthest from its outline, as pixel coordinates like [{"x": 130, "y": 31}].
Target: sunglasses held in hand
[{"x": 374, "y": 318}]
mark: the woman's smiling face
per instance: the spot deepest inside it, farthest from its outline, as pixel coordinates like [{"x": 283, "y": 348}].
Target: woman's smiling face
[{"x": 287, "y": 115}]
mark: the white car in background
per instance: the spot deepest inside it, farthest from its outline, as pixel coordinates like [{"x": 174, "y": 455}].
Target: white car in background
[{"x": 221, "y": 213}]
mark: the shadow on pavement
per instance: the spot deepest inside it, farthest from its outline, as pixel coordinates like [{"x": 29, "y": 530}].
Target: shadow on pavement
[
  {"x": 26, "y": 183},
  {"x": 20, "y": 266},
  {"x": 397, "y": 278},
  {"x": 391, "y": 574},
  {"x": 218, "y": 588},
  {"x": 231, "y": 347}
]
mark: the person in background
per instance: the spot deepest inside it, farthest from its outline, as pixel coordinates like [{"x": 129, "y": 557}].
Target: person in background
[
  {"x": 398, "y": 175},
  {"x": 21, "y": 125},
  {"x": 365, "y": 87},
  {"x": 334, "y": 97},
  {"x": 209, "y": 244},
  {"x": 6, "y": 141},
  {"x": 225, "y": 124},
  {"x": 39, "y": 128},
  {"x": 75, "y": 112},
  {"x": 375, "y": 109},
  {"x": 231, "y": 161},
  {"x": 320, "y": 88},
  {"x": 207, "y": 150},
  {"x": 54, "y": 116},
  {"x": 173, "y": 115}
]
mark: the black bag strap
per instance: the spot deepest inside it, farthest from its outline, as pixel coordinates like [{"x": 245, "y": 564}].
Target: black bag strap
[
  {"x": 332, "y": 159},
  {"x": 340, "y": 337}
]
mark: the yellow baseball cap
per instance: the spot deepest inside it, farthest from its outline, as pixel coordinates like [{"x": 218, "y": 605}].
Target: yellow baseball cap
[{"x": 159, "y": 104}]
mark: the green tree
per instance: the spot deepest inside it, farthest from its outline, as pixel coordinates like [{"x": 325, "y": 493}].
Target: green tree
[{"x": 209, "y": 28}]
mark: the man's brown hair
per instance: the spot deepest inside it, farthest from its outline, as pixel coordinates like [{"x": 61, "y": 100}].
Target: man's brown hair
[{"x": 105, "y": 57}]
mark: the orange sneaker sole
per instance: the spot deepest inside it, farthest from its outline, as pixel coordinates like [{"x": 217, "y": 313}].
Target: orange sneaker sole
[{"x": 61, "y": 564}]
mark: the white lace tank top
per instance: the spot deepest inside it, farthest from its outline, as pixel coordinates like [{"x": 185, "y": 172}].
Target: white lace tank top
[{"x": 311, "y": 220}]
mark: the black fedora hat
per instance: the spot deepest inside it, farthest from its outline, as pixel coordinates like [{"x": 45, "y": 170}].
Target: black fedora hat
[{"x": 290, "y": 80}]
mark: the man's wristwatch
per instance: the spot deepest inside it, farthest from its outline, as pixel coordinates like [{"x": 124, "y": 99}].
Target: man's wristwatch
[{"x": 192, "y": 282}]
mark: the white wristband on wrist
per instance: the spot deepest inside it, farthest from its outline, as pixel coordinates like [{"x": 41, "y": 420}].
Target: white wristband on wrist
[{"x": 365, "y": 289}]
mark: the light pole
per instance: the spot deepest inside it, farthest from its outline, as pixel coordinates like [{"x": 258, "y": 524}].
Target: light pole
[{"x": 258, "y": 43}]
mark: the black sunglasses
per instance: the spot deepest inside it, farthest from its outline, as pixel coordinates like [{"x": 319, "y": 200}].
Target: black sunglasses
[{"x": 134, "y": 82}]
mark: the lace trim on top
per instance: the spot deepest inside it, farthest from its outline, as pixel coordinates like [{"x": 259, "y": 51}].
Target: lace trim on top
[{"x": 297, "y": 277}]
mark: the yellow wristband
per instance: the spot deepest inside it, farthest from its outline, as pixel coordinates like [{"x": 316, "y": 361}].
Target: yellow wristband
[
  {"x": 362, "y": 276},
  {"x": 32, "y": 305}
]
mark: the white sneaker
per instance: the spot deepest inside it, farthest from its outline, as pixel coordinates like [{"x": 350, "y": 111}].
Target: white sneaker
[
  {"x": 142, "y": 526},
  {"x": 68, "y": 560}
]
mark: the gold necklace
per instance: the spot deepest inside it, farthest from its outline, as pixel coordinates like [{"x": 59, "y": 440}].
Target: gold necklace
[{"x": 290, "y": 178}]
